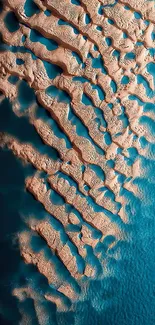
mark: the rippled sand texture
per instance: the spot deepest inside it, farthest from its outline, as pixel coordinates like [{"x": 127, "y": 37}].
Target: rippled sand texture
[{"x": 82, "y": 72}]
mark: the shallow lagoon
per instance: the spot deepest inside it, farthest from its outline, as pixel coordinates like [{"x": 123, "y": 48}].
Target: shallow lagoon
[{"x": 126, "y": 294}]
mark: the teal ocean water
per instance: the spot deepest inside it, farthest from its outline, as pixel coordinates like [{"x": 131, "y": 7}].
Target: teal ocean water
[{"x": 125, "y": 295}]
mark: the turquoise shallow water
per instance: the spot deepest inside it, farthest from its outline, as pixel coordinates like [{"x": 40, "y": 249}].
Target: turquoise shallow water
[{"x": 126, "y": 296}]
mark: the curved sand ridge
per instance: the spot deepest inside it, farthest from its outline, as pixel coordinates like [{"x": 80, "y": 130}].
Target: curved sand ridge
[{"x": 84, "y": 51}]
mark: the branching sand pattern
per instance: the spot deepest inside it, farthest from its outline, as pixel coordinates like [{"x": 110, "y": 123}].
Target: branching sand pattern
[{"x": 91, "y": 66}]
